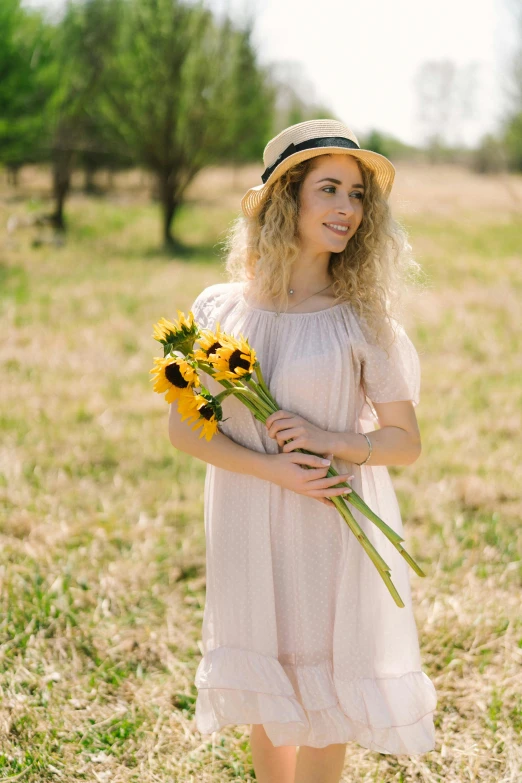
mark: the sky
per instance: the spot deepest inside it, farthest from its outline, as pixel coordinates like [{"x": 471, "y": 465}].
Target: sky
[{"x": 361, "y": 59}]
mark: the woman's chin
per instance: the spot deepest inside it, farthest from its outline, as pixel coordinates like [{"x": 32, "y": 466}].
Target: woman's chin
[{"x": 337, "y": 247}]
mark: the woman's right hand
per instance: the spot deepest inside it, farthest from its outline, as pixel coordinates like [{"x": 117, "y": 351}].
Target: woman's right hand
[{"x": 286, "y": 470}]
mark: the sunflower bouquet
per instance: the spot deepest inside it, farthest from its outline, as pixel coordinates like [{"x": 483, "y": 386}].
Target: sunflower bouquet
[{"x": 188, "y": 350}]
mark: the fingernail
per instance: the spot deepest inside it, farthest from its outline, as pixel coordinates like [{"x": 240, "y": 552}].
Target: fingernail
[{"x": 325, "y": 461}]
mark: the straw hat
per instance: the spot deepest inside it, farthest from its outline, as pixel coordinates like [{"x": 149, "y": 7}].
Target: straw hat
[{"x": 307, "y": 140}]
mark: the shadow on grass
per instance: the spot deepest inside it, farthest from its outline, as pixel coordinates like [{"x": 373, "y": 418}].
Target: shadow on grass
[{"x": 180, "y": 251}]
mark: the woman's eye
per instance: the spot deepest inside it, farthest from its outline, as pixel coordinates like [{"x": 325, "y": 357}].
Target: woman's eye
[{"x": 356, "y": 193}]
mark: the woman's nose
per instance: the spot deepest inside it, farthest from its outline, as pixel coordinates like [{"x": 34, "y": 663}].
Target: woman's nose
[
  {"x": 345, "y": 207},
  {"x": 346, "y": 211}
]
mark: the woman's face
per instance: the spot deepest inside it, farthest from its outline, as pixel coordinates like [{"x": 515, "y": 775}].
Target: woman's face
[{"x": 331, "y": 207}]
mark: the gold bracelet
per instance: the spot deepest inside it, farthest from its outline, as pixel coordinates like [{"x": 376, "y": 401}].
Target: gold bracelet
[{"x": 370, "y": 445}]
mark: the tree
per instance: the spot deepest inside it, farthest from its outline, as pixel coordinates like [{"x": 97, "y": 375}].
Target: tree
[
  {"x": 25, "y": 86},
  {"x": 445, "y": 100},
  {"x": 512, "y": 121},
  {"x": 251, "y": 102},
  {"x": 173, "y": 97},
  {"x": 83, "y": 47},
  {"x": 153, "y": 82}
]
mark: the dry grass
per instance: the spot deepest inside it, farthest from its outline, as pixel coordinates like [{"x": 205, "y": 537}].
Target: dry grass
[{"x": 103, "y": 568}]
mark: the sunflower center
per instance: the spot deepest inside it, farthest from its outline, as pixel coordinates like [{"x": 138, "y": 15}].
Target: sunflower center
[
  {"x": 236, "y": 361},
  {"x": 207, "y": 412},
  {"x": 213, "y": 348},
  {"x": 174, "y": 376}
]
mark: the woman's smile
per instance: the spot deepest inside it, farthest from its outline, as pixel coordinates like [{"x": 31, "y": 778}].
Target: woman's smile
[{"x": 337, "y": 228}]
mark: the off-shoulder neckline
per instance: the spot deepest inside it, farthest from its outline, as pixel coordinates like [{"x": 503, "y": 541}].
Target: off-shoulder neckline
[{"x": 281, "y": 315}]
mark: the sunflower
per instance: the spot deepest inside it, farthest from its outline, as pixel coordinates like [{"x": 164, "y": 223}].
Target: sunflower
[
  {"x": 177, "y": 335},
  {"x": 173, "y": 375},
  {"x": 209, "y": 342},
  {"x": 202, "y": 408},
  {"x": 163, "y": 328},
  {"x": 235, "y": 360}
]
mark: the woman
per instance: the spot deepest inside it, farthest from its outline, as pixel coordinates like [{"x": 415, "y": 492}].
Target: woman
[{"x": 301, "y": 637}]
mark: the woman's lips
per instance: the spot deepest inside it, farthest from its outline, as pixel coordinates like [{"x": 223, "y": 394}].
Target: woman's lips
[{"x": 336, "y": 231}]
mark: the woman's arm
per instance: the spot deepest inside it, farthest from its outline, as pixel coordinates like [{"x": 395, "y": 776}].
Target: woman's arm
[
  {"x": 283, "y": 469},
  {"x": 220, "y": 450},
  {"x": 397, "y": 442}
]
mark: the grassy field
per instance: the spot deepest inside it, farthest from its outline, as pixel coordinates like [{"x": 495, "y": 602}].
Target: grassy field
[{"x": 102, "y": 573}]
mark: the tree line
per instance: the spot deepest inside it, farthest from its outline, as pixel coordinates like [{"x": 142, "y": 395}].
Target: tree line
[
  {"x": 170, "y": 87},
  {"x": 160, "y": 84}
]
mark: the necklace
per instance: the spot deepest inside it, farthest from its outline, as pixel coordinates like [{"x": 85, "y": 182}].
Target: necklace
[{"x": 291, "y": 291}]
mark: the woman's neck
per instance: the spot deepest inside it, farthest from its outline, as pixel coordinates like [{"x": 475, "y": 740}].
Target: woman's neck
[{"x": 309, "y": 274}]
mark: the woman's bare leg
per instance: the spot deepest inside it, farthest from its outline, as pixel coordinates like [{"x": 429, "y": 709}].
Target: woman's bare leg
[
  {"x": 320, "y": 764},
  {"x": 271, "y": 765}
]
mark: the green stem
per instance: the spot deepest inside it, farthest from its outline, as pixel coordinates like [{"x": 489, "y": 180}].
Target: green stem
[
  {"x": 240, "y": 394},
  {"x": 260, "y": 404},
  {"x": 263, "y": 385},
  {"x": 247, "y": 398},
  {"x": 207, "y": 368},
  {"x": 224, "y": 394},
  {"x": 258, "y": 401},
  {"x": 381, "y": 566},
  {"x": 392, "y": 536},
  {"x": 259, "y": 416},
  {"x": 257, "y": 389},
  {"x": 266, "y": 398},
  {"x": 232, "y": 388},
  {"x": 357, "y": 501}
]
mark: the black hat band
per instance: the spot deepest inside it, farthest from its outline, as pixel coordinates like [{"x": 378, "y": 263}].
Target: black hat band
[{"x": 310, "y": 144}]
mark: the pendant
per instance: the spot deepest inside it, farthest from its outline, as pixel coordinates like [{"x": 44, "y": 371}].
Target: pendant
[{"x": 291, "y": 291}]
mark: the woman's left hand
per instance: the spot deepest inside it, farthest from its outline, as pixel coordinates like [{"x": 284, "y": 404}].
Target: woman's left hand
[{"x": 302, "y": 434}]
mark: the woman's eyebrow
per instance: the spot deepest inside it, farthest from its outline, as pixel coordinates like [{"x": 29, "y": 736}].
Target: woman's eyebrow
[{"x": 338, "y": 182}]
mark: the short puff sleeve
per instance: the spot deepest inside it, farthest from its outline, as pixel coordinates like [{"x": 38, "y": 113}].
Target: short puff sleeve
[
  {"x": 202, "y": 308},
  {"x": 207, "y": 304},
  {"x": 393, "y": 373}
]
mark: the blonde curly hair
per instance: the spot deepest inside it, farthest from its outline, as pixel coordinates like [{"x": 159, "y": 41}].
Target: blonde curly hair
[{"x": 371, "y": 273}]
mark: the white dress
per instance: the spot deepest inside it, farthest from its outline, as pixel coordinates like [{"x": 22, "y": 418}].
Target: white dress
[{"x": 299, "y": 631}]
